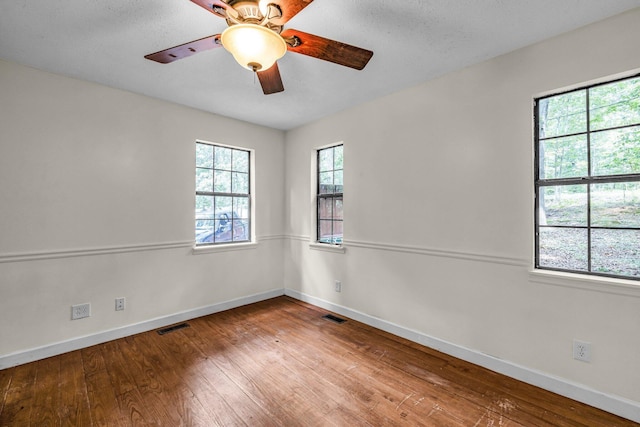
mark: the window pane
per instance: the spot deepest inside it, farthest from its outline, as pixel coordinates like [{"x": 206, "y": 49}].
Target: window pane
[
  {"x": 615, "y": 204},
  {"x": 223, "y": 204},
  {"x": 615, "y": 152},
  {"x": 204, "y": 207},
  {"x": 222, "y": 158},
  {"x": 241, "y": 207},
  {"x": 616, "y": 252},
  {"x": 564, "y": 157},
  {"x": 325, "y": 208},
  {"x": 204, "y": 179},
  {"x": 564, "y": 248},
  {"x": 203, "y": 225},
  {"x": 615, "y": 104},
  {"x": 241, "y": 161},
  {"x": 326, "y": 231},
  {"x": 326, "y": 159},
  {"x": 222, "y": 182},
  {"x": 562, "y": 114},
  {"x": 337, "y": 208},
  {"x": 337, "y": 180},
  {"x": 337, "y": 232},
  {"x": 204, "y": 155},
  {"x": 205, "y": 233},
  {"x": 563, "y": 205},
  {"x": 326, "y": 183},
  {"x": 338, "y": 159},
  {"x": 240, "y": 184},
  {"x": 223, "y": 230},
  {"x": 239, "y": 230}
]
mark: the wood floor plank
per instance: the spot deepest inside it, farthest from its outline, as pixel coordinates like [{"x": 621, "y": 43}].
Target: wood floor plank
[
  {"x": 276, "y": 363},
  {"x": 138, "y": 406},
  {"x": 19, "y": 398},
  {"x": 74, "y": 407},
  {"x": 5, "y": 381},
  {"x": 105, "y": 411},
  {"x": 46, "y": 400},
  {"x": 165, "y": 379},
  {"x": 92, "y": 360}
]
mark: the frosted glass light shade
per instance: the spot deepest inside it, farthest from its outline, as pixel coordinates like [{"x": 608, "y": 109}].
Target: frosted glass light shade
[{"x": 253, "y": 46}]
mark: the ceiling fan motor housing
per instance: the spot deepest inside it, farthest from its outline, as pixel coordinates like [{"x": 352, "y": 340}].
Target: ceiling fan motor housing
[{"x": 250, "y": 12}]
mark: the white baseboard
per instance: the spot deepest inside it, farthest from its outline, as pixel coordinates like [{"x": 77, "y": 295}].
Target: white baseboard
[
  {"x": 614, "y": 404},
  {"x": 19, "y": 358}
]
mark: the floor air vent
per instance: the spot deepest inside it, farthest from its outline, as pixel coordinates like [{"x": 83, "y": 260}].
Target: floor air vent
[
  {"x": 172, "y": 328},
  {"x": 334, "y": 318}
]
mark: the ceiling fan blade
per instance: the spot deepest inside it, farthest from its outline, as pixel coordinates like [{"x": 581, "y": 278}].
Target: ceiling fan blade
[
  {"x": 270, "y": 80},
  {"x": 185, "y": 50},
  {"x": 217, "y": 7},
  {"x": 325, "y": 49},
  {"x": 289, "y": 8}
]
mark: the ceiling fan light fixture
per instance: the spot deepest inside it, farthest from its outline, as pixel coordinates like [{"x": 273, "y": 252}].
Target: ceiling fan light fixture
[{"x": 254, "y": 47}]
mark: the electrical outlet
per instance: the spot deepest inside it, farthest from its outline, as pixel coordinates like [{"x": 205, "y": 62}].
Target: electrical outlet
[
  {"x": 338, "y": 286},
  {"x": 119, "y": 304},
  {"x": 80, "y": 311},
  {"x": 582, "y": 351}
]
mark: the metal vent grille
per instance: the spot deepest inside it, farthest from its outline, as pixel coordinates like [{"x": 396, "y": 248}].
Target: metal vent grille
[
  {"x": 172, "y": 328},
  {"x": 334, "y": 318}
]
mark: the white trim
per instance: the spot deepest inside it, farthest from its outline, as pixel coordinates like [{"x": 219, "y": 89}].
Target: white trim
[
  {"x": 338, "y": 249},
  {"x": 271, "y": 237},
  {"x": 615, "y": 404},
  {"x": 105, "y": 250},
  {"x": 608, "y": 285},
  {"x": 226, "y": 247},
  {"x": 469, "y": 256},
  {"x": 19, "y": 358}
]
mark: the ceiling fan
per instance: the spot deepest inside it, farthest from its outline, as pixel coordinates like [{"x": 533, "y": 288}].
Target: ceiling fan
[{"x": 256, "y": 39}]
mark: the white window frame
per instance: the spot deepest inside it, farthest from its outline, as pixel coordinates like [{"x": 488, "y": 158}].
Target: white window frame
[
  {"x": 233, "y": 245},
  {"x": 567, "y": 277}
]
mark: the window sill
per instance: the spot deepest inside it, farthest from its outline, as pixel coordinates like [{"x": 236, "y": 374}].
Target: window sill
[
  {"x": 338, "y": 249},
  {"x": 607, "y": 285},
  {"x": 199, "y": 250}
]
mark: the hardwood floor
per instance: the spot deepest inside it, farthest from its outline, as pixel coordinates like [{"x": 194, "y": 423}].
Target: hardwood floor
[{"x": 275, "y": 363}]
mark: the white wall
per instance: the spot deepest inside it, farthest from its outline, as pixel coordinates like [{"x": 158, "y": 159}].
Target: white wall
[
  {"x": 97, "y": 202},
  {"x": 439, "y": 216}
]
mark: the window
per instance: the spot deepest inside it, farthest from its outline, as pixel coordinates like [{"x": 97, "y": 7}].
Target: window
[
  {"x": 587, "y": 180},
  {"x": 222, "y": 195},
  {"x": 329, "y": 195}
]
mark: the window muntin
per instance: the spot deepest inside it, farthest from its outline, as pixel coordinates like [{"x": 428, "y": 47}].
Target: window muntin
[
  {"x": 587, "y": 180},
  {"x": 329, "y": 195},
  {"x": 222, "y": 195}
]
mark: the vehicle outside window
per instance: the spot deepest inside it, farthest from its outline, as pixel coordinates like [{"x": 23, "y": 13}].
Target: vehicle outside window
[{"x": 223, "y": 229}]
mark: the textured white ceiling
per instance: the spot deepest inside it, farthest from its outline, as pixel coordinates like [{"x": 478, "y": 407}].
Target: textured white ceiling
[{"x": 413, "y": 41}]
